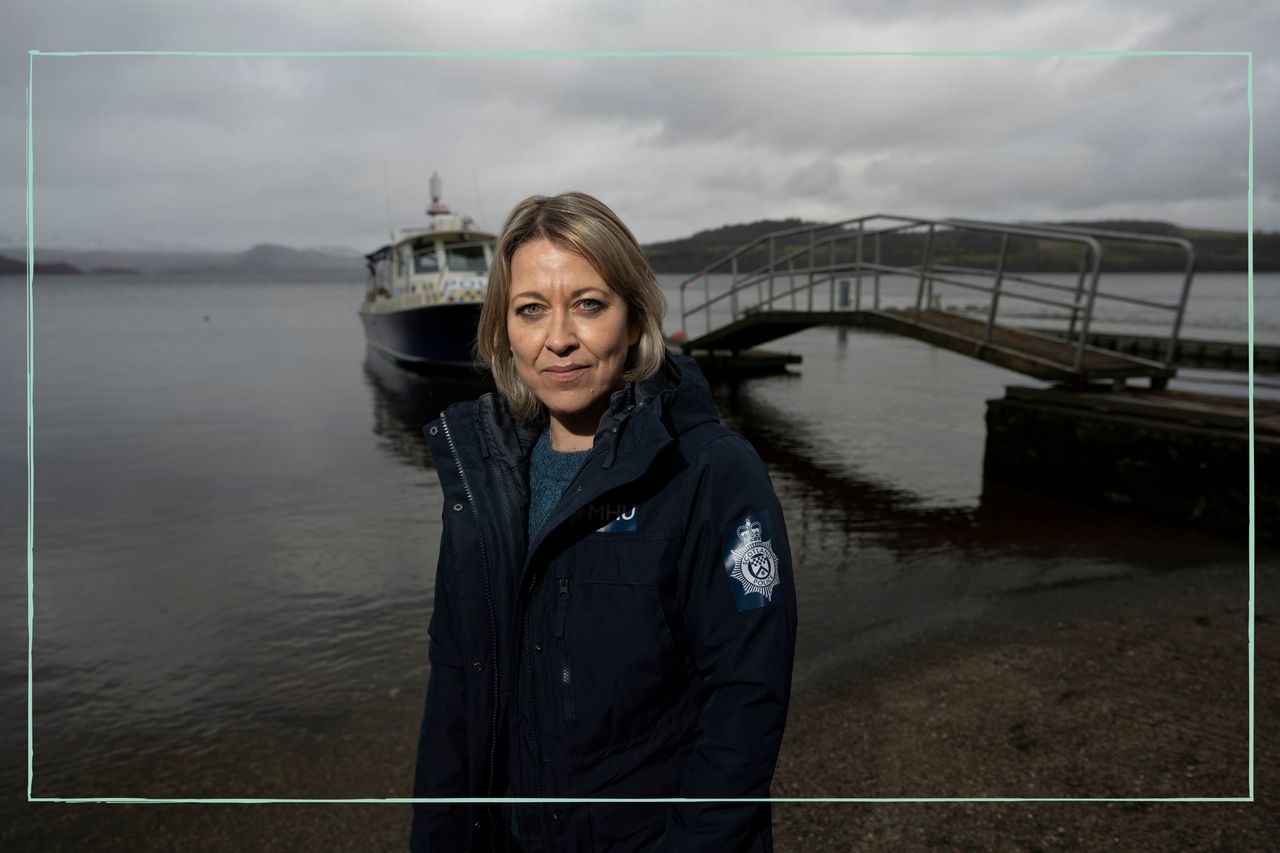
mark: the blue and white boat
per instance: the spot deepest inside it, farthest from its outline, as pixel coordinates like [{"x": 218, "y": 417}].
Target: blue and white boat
[{"x": 426, "y": 288}]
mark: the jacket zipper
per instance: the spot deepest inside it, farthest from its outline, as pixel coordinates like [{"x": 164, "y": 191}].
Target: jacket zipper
[
  {"x": 566, "y": 673},
  {"x": 488, "y": 595},
  {"x": 533, "y": 713}
]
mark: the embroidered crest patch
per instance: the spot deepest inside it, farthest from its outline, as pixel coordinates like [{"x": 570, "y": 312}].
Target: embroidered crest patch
[{"x": 751, "y": 563}]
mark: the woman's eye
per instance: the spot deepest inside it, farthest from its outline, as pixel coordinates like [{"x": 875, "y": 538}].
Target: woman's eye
[
  {"x": 591, "y": 304},
  {"x": 524, "y": 309}
]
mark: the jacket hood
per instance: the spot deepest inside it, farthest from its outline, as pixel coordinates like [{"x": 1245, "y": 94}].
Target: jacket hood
[
  {"x": 673, "y": 401},
  {"x": 678, "y": 395}
]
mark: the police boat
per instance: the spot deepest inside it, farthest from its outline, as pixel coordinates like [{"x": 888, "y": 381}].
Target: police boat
[{"x": 425, "y": 290}]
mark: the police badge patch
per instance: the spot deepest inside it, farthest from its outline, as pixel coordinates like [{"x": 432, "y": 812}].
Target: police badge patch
[{"x": 751, "y": 563}]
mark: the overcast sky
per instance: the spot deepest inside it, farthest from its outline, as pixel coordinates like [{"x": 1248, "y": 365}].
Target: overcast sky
[{"x": 223, "y": 153}]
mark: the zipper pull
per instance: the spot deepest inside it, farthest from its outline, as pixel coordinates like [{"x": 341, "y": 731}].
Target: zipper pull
[
  {"x": 615, "y": 433},
  {"x": 562, "y": 608}
]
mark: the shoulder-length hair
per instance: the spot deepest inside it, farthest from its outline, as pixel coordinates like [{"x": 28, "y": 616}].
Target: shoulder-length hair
[{"x": 584, "y": 225}]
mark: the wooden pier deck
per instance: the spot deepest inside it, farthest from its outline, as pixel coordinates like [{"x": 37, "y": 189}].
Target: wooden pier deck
[
  {"x": 724, "y": 364},
  {"x": 1189, "y": 351}
]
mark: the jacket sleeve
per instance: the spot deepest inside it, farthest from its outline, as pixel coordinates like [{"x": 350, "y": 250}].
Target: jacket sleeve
[
  {"x": 441, "y": 769},
  {"x": 739, "y": 617}
]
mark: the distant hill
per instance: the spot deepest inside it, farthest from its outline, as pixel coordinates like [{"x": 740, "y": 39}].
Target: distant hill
[
  {"x": 9, "y": 266},
  {"x": 1216, "y": 251},
  {"x": 276, "y": 259},
  {"x": 693, "y": 253},
  {"x": 262, "y": 259}
]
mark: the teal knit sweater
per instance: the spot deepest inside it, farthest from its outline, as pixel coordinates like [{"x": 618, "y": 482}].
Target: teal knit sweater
[{"x": 550, "y": 472}]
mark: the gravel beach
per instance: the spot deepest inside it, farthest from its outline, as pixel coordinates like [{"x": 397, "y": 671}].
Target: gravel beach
[
  {"x": 1132, "y": 687},
  {"x": 1127, "y": 688}
]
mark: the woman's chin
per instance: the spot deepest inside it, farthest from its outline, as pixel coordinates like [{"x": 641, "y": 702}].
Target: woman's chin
[{"x": 568, "y": 407}]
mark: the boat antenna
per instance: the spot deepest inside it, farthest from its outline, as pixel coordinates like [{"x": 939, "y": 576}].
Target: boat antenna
[
  {"x": 386, "y": 195},
  {"x": 437, "y": 187}
]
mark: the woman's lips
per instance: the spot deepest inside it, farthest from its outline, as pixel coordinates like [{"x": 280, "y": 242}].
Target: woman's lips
[{"x": 565, "y": 375}]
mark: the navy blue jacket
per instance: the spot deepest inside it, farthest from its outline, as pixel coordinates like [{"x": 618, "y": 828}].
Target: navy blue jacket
[{"x": 640, "y": 647}]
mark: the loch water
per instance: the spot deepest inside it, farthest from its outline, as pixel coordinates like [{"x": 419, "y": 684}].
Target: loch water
[{"x": 236, "y": 517}]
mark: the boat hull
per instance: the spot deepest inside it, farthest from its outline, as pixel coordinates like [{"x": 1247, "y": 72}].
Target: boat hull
[{"x": 428, "y": 336}]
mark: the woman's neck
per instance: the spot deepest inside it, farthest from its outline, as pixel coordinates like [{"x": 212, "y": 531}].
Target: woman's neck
[{"x": 570, "y": 433}]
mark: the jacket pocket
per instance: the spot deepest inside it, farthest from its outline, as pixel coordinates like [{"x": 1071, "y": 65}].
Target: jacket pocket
[
  {"x": 619, "y": 671},
  {"x": 617, "y": 827},
  {"x": 565, "y": 675}
]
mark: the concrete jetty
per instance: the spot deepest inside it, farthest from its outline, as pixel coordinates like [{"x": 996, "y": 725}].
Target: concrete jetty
[{"x": 1179, "y": 455}]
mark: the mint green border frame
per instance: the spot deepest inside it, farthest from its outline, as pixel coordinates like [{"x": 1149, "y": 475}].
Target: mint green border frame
[{"x": 32, "y": 54}]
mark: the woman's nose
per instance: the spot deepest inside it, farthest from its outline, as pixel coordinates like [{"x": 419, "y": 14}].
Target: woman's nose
[{"x": 561, "y": 337}]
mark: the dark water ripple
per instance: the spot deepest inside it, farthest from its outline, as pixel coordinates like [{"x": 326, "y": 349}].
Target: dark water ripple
[{"x": 237, "y": 519}]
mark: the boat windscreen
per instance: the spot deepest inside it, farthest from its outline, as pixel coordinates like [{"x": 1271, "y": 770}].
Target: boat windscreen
[
  {"x": 465, "y": 258},
  {"x": 424, "y": 260}
]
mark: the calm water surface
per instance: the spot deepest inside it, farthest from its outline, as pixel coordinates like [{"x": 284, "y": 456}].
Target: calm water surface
[{"x": 237, "y": 518}]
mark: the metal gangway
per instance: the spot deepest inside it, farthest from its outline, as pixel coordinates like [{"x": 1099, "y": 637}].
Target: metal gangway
[{"x": 773, "y": 286}]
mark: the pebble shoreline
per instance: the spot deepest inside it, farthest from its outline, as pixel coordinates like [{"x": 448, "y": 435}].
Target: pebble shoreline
[{"x": 1135, "y": 687}]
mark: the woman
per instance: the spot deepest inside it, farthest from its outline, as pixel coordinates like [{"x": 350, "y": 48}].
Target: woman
[{"x": 614, "y": 609}]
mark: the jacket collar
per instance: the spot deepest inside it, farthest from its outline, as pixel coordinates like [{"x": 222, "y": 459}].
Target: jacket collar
[
  {"x": 640, "y": 418},
  {"x": 640, "y": 421}
]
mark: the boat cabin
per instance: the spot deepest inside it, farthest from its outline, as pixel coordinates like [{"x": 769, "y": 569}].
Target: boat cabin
[{"x": 447, "y": 261}]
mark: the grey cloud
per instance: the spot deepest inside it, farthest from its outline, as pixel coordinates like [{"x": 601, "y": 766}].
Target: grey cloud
[
  {"x": 229, "y": 151},
  {"x": 819, "y": 179},
  {"x": 744, "y": 180}
]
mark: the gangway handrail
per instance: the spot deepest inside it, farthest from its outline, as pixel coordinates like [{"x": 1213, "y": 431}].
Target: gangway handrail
[
  {"x": 933, "y": 277},
  {"x": 1049, "y": 285},
  {"x": 769, "y": 269},
  {"x": 820, "y": 274},
  {"x": 906, "y": 222},
  {"x": 772, "y": 235},
  {"x": 1093, "y": 251},
  {"x": 1188, "y": 273},
  {"x": 841, "y": 229},
  {"x": 770, "y": 266}
]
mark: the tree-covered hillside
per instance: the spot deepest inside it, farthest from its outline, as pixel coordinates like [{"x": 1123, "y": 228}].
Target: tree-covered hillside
[{"x": 1216, "y": 251}]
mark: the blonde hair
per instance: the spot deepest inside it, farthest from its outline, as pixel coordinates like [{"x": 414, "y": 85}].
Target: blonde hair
[{"x": 584, "y": 225}]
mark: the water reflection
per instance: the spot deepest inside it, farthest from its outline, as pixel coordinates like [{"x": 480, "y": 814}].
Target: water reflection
[
  {"x": 223, "y": 550},
  {"x": 404, "y": 401},
  {"x": 1006, "y": 520},
  {"x": 851, "y": 509},
  {"x": 876, "y": 563}
]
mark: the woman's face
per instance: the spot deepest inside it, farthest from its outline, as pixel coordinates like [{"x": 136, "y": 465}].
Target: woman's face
[{"x": 569, "y": 333}]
